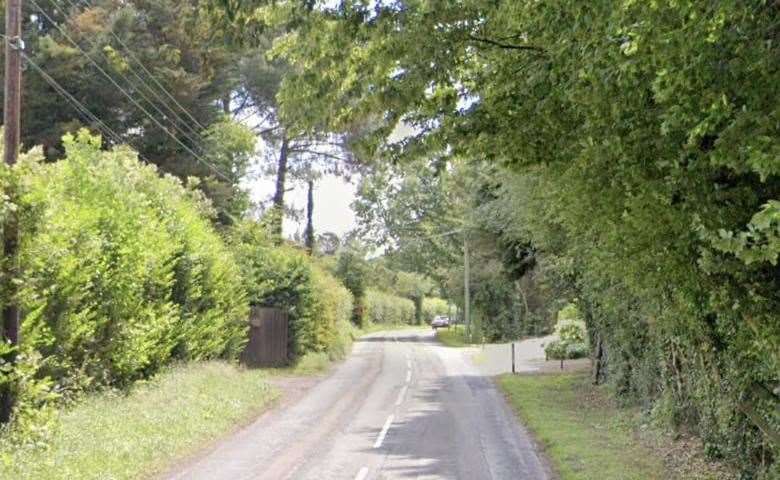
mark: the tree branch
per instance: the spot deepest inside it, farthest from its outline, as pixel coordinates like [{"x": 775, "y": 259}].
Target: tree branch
[{"x": 506, "y": 46}]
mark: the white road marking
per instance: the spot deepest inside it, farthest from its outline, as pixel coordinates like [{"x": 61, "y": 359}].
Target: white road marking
[
  {"x": 362, "y": 474},
  {"x": 408, "y": 364},
  {"x": 401, "y": 395},
  {"x": 383, "y": 433},
  {"x": 408, "y": 376}
]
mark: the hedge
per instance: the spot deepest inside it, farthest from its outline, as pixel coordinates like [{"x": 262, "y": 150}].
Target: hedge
[
  {"x": 121, "y": 273},
  {"x": 386, "y": 308},
  {"x": 282, "y": 276}
]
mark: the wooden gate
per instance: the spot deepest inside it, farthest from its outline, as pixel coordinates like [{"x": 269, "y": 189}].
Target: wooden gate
[{"x": 267, "y": 346}]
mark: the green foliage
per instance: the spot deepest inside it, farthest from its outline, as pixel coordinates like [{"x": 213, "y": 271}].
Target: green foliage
[
  {"x": 433, "y": 306},
  {"x": 121, "y": 270},
  {"x": 572, "y": 336},
  {"x": 385, "y": 308},
  {"x": 351, "y": 269},
  {"x": 632, "y": 145},
  {"x": 318, "y": 305}
]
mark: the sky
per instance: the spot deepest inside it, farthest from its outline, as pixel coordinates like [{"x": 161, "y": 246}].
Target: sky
[
  {"x": 333, "y": 195},
  {"x": 332, "y": 199}
]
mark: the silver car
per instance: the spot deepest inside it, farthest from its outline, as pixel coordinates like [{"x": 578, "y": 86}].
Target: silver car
[{"x": 440, "y": 321}]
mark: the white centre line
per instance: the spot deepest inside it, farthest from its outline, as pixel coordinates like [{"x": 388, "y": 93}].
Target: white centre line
[
  {"x": 409, "y": 364},
  {"x": 401, "y": 395},
  {"x": 408, "y": 376},
  {"x": 383, "y": 433},
  {"x": 362, "y": 474}
]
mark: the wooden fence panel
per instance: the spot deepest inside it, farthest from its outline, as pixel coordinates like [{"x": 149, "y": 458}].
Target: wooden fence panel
[{"x": 268, "y": 331}]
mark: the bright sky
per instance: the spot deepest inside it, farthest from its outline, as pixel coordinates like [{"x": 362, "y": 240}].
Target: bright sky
[
  {"x": 333, "y": 196},
  {"x": 332, "y": 199}
]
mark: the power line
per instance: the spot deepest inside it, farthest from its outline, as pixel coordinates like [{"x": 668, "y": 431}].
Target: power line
[
  {"x": 143, "y": 67},
  {"x": 83, "y": 110},
  {"x": 154, "y": 79},
  {"x": 195, "y": 141},
  {"x": 80, "y": 107},
  {"x": 130, "y": 97}
]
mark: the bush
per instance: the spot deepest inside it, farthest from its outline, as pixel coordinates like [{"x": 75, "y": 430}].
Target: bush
[
  {"x": 332, "y": 310},
  {"x": 122, "y": 271},
  {"x": 319, "y": 306},
  {"x": 389, "y": 309},
  {"x": 572, "y": 341},
  {"x": 433, "y": 306}
]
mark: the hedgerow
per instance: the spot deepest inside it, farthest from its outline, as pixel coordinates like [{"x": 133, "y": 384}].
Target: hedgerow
[
  {"x": 319, "y": 307},
  {"x": 385, "y": 308},
  {"x": 121, "y": 271}
]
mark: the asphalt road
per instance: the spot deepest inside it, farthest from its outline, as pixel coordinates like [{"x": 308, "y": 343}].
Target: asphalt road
[{"x": 401, "y": 406}]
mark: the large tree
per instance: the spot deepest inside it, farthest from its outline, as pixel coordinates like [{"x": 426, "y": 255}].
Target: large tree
[
  {"x": 153, "y": 75},
  {"x": 643, "y": 135}
]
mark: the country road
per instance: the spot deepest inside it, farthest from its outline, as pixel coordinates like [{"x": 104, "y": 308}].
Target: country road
[{"x": 401, "y": 406}]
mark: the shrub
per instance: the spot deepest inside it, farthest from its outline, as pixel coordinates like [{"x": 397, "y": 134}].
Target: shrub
[
  {"x": 121, "y": 269},
  {"x": 572, "y": 341},
  {"x": 332, "y": 310},
  {"x": 319, "y": 306},
  {"x": 385, "y": 308}
]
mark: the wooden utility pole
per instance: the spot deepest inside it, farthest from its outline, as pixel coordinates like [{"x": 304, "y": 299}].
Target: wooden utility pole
[
  {"x": 13, "y": 92},
  {"x": 466, "y": 288}
]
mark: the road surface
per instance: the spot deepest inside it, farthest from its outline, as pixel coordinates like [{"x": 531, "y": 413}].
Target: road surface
[{"x": 401, "y": 406}]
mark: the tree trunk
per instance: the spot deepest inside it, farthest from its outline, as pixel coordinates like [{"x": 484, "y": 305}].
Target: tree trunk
[
  {"x": 598, "y": 361},
  {"x": 226, "y": 104},
  {"x": 308, "y": 234},
  {"x": 281, "y": 181},
  {"x": 418, "y": 310}
]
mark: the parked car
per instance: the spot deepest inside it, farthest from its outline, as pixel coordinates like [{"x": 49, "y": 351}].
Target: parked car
[{"x": 440, "y": 321}]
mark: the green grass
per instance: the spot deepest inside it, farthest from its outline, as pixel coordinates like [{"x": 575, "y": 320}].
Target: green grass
[
  {"x": 126, "y": 436},
  {"x": 455, "y": 336},
  {"x": 311, "y": 363},
  {"x": 583, "y": 434}
]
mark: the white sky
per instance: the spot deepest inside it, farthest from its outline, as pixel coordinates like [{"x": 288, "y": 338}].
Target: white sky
[
  {"x": 333, "y": 195},
  {"x": 332, "y": 199}
]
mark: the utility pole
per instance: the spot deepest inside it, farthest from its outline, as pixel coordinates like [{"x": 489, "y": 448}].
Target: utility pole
[
  {"x": 12, "y": 106},
  {"x": 466, "y": 288}
]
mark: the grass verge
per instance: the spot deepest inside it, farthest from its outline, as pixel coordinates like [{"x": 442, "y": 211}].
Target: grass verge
[
  {"x": 130, "y": 435},
  {"x": 583, "y": 434},
  {"x": 455, "y": 336}
]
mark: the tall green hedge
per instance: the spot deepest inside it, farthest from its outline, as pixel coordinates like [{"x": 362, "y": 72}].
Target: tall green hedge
[
  {"x": 281, "y": 276},
  {"x": 121, "y": 271},
  {"x": 385, "y": 308}
]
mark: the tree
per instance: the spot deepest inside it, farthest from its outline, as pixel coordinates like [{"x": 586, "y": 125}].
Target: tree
[
  {"x": 351, "y": 270},
  {"x": 638, "y": 139},
  {"x": 152, "y": 74}
]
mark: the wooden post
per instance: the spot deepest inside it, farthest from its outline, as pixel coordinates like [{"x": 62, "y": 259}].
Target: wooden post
[
  {"x": 513, "y": 357},
  {"x": 466, "y": 289},
  {"x": 13, "y": 87}
]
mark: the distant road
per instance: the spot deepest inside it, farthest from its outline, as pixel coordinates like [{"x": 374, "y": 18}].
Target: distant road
[{"x": 400, "y": 407}]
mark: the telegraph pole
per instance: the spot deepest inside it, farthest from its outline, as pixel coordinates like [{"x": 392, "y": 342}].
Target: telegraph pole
[
  {"x": 11, "y": 123},
  {"x": 466, "y": 288}
]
